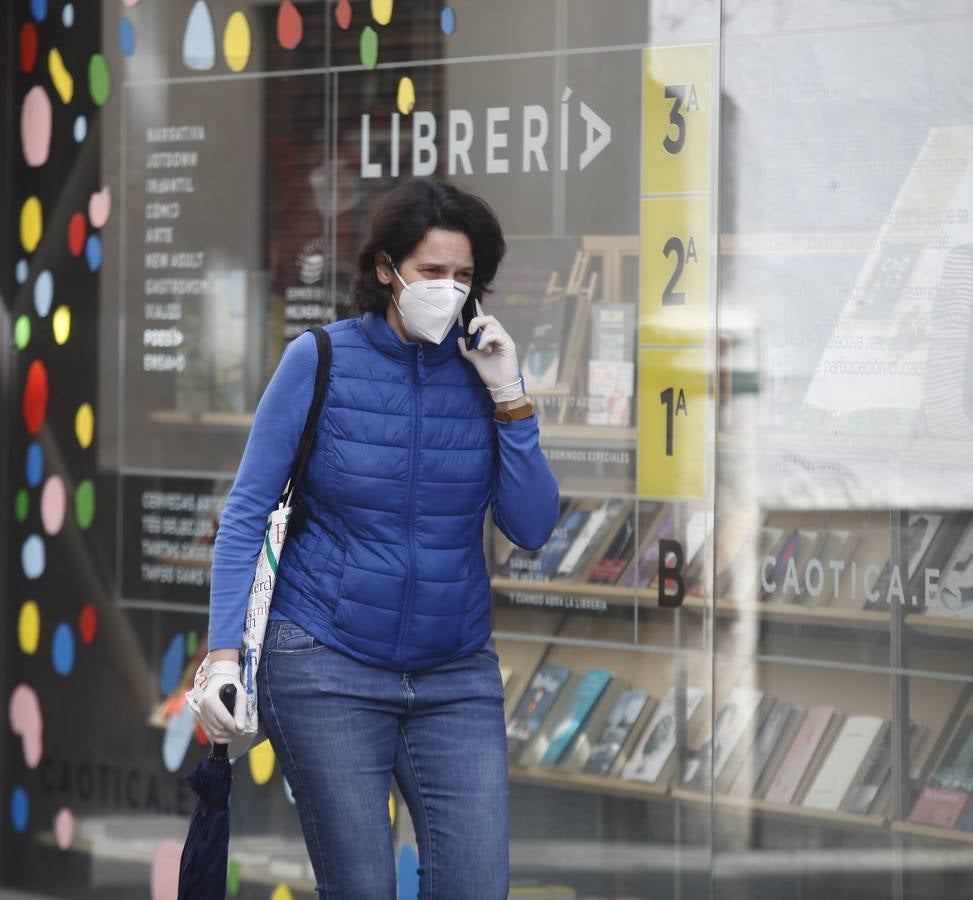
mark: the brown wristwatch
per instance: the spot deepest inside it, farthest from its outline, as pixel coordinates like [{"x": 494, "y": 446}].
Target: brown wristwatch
[{"x": 509, "y": 415}]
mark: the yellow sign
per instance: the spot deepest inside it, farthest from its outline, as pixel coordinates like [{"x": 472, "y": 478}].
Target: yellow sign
[
  {"x": 673, "y": 412},
  {"x": 675, "y": 264},
  {"x": 676, "y": 119}
]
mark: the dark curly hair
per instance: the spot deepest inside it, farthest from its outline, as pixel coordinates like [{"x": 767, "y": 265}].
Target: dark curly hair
[{"x": 400, "y": 222}]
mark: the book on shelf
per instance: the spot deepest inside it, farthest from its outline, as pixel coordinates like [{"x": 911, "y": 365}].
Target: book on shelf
[
  {"x": 837, "y": 553},
  {"x": 953, "y": 597},
  {"x": 564, "y": 535},
  {"x": 608, "y": 569},
  {"x": 529, "y": 565},
  {"x": 602, "y": 522},
  {"x": 707, "y": 762},
  {"x": 508, "y": 678},
  {"x": 872, "y": 790},
  {"x": 645, "y": 565},
  {"x": 948, "y": 789},
  {"x": 653, "y": 759},
  {"x": 845, "y": 761},
  {"x": 572, "y": 722},
  {"x": 629, "y": 711},
  {"x": 543, "y": 691},
  {"x": 800, "y": 763},
  {"x": 772, "y": 743},
  {"x": 892, "y": 583},
  {"x": 796, "y": 551},
  {"x": 611, "y": 363}
]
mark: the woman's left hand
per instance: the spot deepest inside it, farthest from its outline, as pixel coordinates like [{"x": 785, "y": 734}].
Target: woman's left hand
[{"x": 495, "y": 359}]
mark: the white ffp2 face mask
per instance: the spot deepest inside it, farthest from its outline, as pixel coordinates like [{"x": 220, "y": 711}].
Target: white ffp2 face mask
[{"x": 429, "y": 308}]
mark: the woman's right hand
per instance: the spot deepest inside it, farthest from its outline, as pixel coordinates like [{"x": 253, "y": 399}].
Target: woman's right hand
[{"x": 219, "y": 725}]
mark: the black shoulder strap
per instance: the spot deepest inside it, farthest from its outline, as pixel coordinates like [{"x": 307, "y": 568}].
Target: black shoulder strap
[{"x": 321, "y": 381}]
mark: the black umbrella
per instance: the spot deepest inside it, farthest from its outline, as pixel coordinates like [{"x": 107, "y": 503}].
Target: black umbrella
[{"x": 202, "y": 869}]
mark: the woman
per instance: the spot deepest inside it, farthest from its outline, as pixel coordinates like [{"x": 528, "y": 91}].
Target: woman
[{"x": 377, "y": 660}]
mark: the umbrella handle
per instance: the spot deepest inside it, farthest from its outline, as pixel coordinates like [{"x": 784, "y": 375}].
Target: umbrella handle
[{"x": 228, "y": 698}]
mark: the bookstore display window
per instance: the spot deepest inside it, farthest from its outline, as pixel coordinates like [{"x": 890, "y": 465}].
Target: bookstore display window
[{"x": 739, "y": 277}]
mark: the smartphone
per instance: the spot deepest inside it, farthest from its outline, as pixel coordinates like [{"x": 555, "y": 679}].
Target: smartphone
[{"x": 469, "y": 313}]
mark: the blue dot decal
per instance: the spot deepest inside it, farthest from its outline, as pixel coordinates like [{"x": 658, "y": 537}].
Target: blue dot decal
[
  {"x": 408, "y": 874},
  {"x": 22, "y": 271},
  {"x": 38, "y": 9},
  {"x": 80, "y": 129},
  {"x": 19, "y": 809},
  {"x": 43, "y": 293},
  {"x": 447, "y": 20},
  {"x": 35, "y": 464},
  {"x": 32, "y": 557},
  {"x": 126, "y": 37},
  {"x": 62, "y": 650},
  {"x": 67, "y": 15},
  {"x": 172, "y": 664},
  {"x": 92, "y": 252}
]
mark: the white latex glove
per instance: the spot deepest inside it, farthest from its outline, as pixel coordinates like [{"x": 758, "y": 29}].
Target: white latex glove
[
  {"x": 219, "y": 725},
  {"x": 495, "y": 359}
]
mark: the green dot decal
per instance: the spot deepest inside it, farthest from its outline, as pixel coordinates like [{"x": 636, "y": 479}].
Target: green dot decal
[
  {"x": 84, "y": 503},
  {"x": 368, "y": 47},
  {"x": 192, "y": 643},
  {"x": 233, "y": 877},
  {"x": 99, "y": 79},
  {"x": 22, "y": 332},
  {"x": 22, "y": 505}
]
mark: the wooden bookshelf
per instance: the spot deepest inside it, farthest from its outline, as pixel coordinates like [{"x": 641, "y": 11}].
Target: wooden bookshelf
[{"x": 932, "y": 833}]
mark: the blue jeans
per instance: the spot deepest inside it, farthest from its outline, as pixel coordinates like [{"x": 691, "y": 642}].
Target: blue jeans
[{"x": 341, "y": 729}]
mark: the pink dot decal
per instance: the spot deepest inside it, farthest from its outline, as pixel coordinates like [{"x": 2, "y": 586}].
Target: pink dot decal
[
  {"x": 290, "y": 25},
  {"x": 26, "y": 721},
  {"x": 28, "y": 47},
  {"x": 35, "y": 126},
  {"x": 99, "y": 207},
  {"x": 88, "y": 623},
  {"x": 63, "y": 828},
  {"x": 35, "y": 397},
  {"x": 342, "y": 15},
  {"x": 77, "y": 231},
  {"x": 165, "y": 871},
  {"x": 53, "y": 504}
]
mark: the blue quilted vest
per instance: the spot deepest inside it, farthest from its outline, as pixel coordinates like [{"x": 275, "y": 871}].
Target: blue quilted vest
[{"x": 389, "y": 566}]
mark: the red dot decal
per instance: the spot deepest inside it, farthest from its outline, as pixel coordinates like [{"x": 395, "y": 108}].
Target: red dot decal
[
  {"x": 35, "y": 396},
  {"x": 88, "y": 623},
  {"x": 290, "y": 25},
  {"x": 28, "y": 47},
  {"x": 76, "y": 234},
  {"x": 342, "y": 14},
  {"x": 201, "y": 738}
]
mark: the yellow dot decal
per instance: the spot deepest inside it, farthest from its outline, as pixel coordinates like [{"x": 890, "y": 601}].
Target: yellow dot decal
[
  {"x": 282, "y": 892},
  {"x": 405, "y": 99},
  {"x": 62, "y": 324},
  {"x": 84, "y": 425},
  {"x": 31, "y": 224},
  {"x": 392, "y": 808},
  {"x": 236, "y": 42},
  {"x": 29, "y": 627},
  {"x": 262, "y": 761},
  {"x": 63, "y": 82},
  {"x": 382, "y": 11}
]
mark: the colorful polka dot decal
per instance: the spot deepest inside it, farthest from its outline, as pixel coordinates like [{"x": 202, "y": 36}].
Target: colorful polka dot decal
[
  {"x": 43, "y": 293},
  {"x": 84, "y": 425},
  {"x": 405, "y": 98},
  {"x": 77, "y": 232},
  {"x": 447, "y": 20},
  {"x": 84, "y": 503},
  {"x": 382, "y": 11},
  {"x": 261, "y": 759},
  {"x": 80, "y": 129},
  {"x": 67, "y": 15},
  {"x": 92, "y": 252},
  {"x": 19, "y": 809},
  {"x": 177, "y": 738},
  {"x": 32, "y": 557},
  {"x": 35, "y": 397},
  {"x": 28, "y": 47},
  {"x": 99, "y": 79},
  {"x": 288, "y": 792},
  {"x": 63, "y": 828},
  {"x": 63, "y": 82},
  {"x": 61, "y": 325},
  {"x": 38, "y": 9},
  {"x": 99, "y": 207},
  {"x": 408, "y": 872},
  {"x": 35, "y": 464},
  {"x": 126, "y": 37},
  {"x": 199, "y": 39},
  {"x": 21, "y": 271},
  {"x": 62, "y": 649},
  {"x": 53, "y": 504},
  {"x": 173, "y": 661},
  {"x": 88, "y": 623},
  {"x": 24, "y": 715},
  {"x": 192, "y": 642},
  {"x": 29, "y": 627},
  {"x": 22, "y": 505},
  {"x": 232, "y": 877},
  {"x": 368, "y": 47},
  {"x": 35, "y": 126},
  {"x": 236, "y": 42},
  {"x": 290, "y": 25},
  {"x": 282, "y": 892},
  {"x": 165, "y": 870},
  {"x": 392, "y": 809},
  {"x": 31, "y": 224},
  {"x": 22, "y": 332},
  {"x": 342, "y": 14}
]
